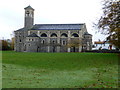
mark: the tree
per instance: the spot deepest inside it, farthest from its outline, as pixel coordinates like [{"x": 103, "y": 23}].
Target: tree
[
  {"x": 74, "y": 43},
  {"x": 0, "y": 45},
  {"x": 5, "y": 45},
  {"x": 12, "y": 43},
  {"x": 109, "y": 23}
]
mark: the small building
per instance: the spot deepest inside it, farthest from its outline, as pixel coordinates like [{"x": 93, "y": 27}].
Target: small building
[
  {"x": 51, "y": 37},
  {"x": 98, "y": 45}
]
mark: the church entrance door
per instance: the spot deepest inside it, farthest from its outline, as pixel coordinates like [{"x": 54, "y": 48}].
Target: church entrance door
[
  {"x": 54, "y": 49},
  {"x": 25, "y": 48},
  {"x": 38, "y": 49},
  {"x": 73, "y": 49}
]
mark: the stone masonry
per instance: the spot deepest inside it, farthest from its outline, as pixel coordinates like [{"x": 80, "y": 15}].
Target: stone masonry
[{"x": 51, "y": 37}]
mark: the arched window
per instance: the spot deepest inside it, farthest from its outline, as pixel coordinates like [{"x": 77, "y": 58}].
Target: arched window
[
  {"x": 53, "y": 42},
  {"x": 64, "y": 43},
  {"x": 25, "y": 47},
  {"x": 53, "y": 35},
  {"x": 43, "y": 41},
  {"x": 64, "y": 35},
  {"x": 27, "y": 13},
  {"x": 43, "y": 35},
  {"x": 75, "y": 35},
  {"x": 29, "y": 44}
]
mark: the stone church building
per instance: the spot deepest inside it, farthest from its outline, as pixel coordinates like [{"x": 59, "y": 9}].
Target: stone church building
[{"x": 51, "y": 37}]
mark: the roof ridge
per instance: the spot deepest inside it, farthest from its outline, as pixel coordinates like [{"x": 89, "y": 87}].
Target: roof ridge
[
  {"x": 28, "y": 7},
  {"x": 57, "y": 26},
  {"x": 61, "y": 24}
]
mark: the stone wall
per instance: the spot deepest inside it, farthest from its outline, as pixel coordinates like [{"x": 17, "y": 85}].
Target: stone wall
[{"x": 52, "y": 40}]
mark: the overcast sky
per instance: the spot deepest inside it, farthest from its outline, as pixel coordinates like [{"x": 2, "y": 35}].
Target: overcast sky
[{"x": 50, "y": 12}]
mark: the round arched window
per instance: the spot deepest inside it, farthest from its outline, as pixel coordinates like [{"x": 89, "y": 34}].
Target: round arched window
[
  {"x": 53, "y": 35},
  {"x": 43, "y": 35},
  {"x": 75, "y": 35},
  {"x": 64, "y": 35}
]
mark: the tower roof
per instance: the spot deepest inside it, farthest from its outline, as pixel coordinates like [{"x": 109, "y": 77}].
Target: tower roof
[{"x": 29, "y": 7}]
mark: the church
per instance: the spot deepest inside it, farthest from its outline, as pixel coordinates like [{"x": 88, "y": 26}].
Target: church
[{"x": 51, "y": 37}]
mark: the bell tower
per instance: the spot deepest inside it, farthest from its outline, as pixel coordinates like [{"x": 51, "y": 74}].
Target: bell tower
[{"x": 29, "y": 17}]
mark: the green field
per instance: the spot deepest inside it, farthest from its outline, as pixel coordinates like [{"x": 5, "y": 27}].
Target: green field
[{"x": 59, "y": 70}]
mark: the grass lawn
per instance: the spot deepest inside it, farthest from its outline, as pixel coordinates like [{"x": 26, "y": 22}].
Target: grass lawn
[{"x": 59, "y": 70}]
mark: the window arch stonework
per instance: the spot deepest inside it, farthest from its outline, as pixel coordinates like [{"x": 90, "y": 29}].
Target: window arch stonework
[
  {"x": 43, "y": 35},
  {"x": 53, "y": 35},
  {"x": 64, "y": 35},
  {"x": 75, "y": 35}
]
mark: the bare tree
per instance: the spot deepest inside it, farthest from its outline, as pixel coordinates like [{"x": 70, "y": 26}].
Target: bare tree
[
  {"x": 74, "y": 43},
  {"x": 109, "y": 23}
]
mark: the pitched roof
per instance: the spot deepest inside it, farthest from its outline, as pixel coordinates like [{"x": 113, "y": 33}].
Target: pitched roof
[
  {"x": 33, "y": 35},
  {"x": 99, "y": 42},
  {"x": 21, "y": 29},
  {"x": 86, "y": 33},
  {"x": 57, "y": 27},
  {"x": 28, "y": 7}
]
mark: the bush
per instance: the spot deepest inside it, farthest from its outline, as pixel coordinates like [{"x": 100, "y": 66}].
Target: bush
[{"x": 104, "y": 51}]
